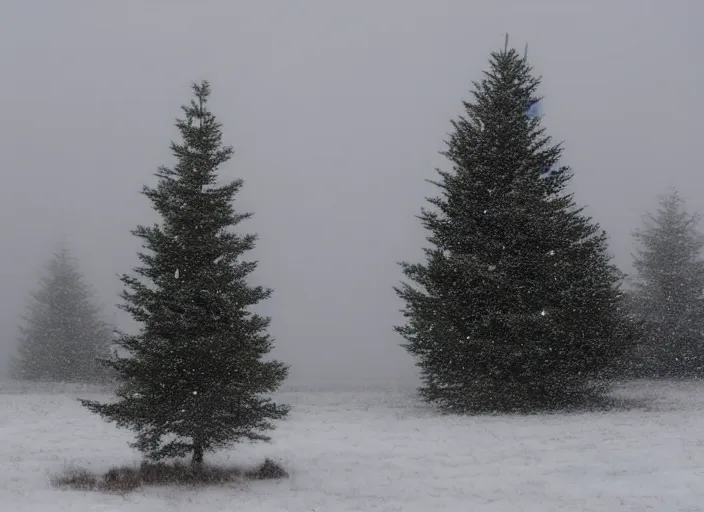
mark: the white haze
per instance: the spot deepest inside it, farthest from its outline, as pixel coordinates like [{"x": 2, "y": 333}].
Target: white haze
[{"x": 337, "y": 111}]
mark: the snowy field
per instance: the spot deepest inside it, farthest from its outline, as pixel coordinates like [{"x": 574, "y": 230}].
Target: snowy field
[{"x": 382, "y": 451}]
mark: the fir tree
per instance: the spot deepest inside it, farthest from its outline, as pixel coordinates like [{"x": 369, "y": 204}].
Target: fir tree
[
  {"x": 194, "y": 379},
  {"x": 517, "y": 305},
  {"x": 63, "y": 336},
  {"x": 668, "y": 292}
]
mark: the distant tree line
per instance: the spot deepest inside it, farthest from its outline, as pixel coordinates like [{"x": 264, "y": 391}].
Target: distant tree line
[
  {"x": 63, "y": 335},
  {"x": 667, "y": 294},
  {"x": 517, "y": 305}
]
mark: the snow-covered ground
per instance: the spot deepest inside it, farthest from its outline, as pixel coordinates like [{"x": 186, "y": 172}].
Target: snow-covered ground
[{"x": 382, "y": 451}]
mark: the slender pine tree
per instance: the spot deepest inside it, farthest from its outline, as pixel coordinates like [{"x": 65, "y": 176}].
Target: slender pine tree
[
  {"x": 668, "y": 292},
  {"x": 63, "y": 335},
  {"x": 195, "y": 379},
  {"x": 517, "y": 305}
]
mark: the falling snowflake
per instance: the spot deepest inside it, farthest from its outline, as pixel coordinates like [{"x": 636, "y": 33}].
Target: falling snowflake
[{"x": 176, "y": 274}]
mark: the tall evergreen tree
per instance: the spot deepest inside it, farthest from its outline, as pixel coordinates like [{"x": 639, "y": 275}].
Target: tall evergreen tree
[
  {"x": 63, "y": 336},
  {"x": 668, "y": 291},
  {"x": 517, "y": 305},
  {"x": 195, "y": 379}
]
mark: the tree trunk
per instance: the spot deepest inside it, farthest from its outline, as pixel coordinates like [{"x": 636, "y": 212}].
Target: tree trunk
[{"x": 197, "y": 459}]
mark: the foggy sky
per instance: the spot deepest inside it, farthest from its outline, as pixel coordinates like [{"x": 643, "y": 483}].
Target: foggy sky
[{"x": 336, "y": 111}]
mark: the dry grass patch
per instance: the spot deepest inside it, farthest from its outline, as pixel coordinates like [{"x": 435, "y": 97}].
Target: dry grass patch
[
  {"x": 75, "y": 478},
  {"x": 128, "y": 478}
]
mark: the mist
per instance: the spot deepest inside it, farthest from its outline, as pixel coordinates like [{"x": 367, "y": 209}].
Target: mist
[{"x": 337, "y": 112}]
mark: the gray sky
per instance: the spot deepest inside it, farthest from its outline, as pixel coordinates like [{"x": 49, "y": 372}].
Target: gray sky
[{"x": 337, "y": 111}]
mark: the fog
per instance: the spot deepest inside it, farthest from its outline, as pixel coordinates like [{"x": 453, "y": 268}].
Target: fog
[{"x": 337, "y": 112}]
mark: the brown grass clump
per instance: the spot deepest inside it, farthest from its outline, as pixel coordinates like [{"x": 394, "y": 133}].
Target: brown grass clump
[
  {"x": 75, "y": 478},
  {"x": 128, "y": 478}
]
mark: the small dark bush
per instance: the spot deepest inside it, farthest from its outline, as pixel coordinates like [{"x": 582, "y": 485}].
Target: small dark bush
[{"x": 268, "y": 470}]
